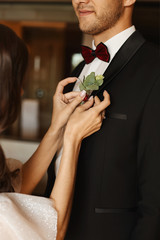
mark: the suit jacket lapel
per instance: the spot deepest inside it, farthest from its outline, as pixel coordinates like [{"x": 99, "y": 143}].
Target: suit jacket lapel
[
  {"x": 123, "y": 56},
  {"x": 76, "y": 72}
]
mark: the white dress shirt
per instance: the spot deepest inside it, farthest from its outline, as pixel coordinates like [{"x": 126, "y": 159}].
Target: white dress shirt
[{"x": 99, "y": 67}]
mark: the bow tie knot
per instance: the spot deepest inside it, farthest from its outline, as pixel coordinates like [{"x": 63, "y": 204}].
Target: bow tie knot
[{"x": 101, "y": 52}]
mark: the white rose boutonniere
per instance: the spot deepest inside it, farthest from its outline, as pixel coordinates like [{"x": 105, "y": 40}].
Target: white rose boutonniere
[{"x": 90, "y": 83}]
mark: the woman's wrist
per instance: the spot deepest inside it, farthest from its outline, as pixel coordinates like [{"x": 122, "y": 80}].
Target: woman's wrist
[
  {"x": 55, "y": 134},
  {"x": 55, "y": 129},
  {"x": 72, "y": 137},
  {"x": 55, "y": 126},
  {"x": 72, "y": 146}
]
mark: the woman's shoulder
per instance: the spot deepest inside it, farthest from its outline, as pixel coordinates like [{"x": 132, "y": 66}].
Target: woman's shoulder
[
  {"x": 29, "y": 202},
  {"x": 31, "y": 213}
]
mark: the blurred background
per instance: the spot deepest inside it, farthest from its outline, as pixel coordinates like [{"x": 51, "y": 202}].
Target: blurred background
[{"x": 50, "y": 30}]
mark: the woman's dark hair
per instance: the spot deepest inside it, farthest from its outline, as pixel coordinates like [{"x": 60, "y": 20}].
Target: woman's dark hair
[{"x": 13, "y": 65}]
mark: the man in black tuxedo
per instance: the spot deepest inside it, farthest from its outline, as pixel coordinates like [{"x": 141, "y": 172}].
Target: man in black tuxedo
[{"x": 117, "y": 190}]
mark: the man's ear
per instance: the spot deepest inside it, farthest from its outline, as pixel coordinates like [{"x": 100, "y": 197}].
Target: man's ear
[{"x": 128, "y": 3}]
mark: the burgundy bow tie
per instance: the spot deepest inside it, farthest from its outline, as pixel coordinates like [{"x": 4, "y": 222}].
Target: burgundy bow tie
[{"x": 101, "y": 52}]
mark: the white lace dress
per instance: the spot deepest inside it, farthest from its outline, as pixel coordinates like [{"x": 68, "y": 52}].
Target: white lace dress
[{"x": 26, "y": 217}]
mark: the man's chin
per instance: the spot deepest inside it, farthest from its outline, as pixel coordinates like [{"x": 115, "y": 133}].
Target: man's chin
[
  {"x": 85, "y": 29},
  {"x": 88, "y": 31}
]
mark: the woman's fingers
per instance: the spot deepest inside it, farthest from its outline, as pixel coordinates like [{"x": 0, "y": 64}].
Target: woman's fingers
[
  {"x": 63, "y": 83},
  {"x": 98, "y": 105},
  {"x": 77, "y": 100},
  {"x": 88, "y": 116},
  {"x": 86, "y": 105},
  {"x": 71, "y": 95},
  {"x": 96, "y": 100},
  {"x": 103, "y": 114},
  {"x": 104, "y": 104}
]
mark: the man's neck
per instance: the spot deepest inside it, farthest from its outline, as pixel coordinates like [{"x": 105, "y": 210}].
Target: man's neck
[{"x": 109, "y": 33}]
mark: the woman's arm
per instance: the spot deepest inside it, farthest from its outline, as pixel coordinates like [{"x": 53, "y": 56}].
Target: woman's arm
[
  {"x": 63, "y": 189},
  {"x": 34, "y": 169},
  {"x": 82, "y": 123}
]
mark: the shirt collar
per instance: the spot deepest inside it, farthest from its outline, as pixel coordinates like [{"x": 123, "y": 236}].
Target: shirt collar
[{"x": 115, "y": 43}]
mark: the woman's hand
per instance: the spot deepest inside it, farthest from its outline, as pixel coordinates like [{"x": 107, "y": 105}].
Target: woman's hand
[
  {"x": 86, "y": 119},
  {"x": 64, "y": 104}
]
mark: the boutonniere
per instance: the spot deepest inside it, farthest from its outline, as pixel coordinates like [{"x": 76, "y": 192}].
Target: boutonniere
[{"x": 90, "y": 83}]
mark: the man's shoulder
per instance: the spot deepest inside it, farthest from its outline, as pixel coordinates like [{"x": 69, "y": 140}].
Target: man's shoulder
[
  {"x": 151, "y": 50},
  {"x": 146, "y": 49},
  {"x": 148, "y": 57}
]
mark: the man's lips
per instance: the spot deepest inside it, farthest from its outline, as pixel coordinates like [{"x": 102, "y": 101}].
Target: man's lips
[{"x": 83, "y": 13}]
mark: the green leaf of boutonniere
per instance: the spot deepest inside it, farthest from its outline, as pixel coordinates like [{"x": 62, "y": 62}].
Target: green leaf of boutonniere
[
  {"x": 92, "y": 87},
  {"x": 82, "y": 87},
  {"x": 99, "y": 79},
  {"x": 90, "y": 79},
  {"x": 91, "y": 82}
]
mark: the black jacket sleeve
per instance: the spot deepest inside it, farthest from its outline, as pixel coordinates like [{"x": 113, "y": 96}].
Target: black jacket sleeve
[{"x": 148, "y": 223}]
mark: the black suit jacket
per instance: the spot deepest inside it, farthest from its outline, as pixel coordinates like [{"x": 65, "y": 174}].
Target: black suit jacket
[{"x": 117, "y": 194}]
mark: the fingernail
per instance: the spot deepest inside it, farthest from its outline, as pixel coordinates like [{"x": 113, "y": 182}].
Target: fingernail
[
  {"x": 90, "y": 98},
  {"x": 83, "y": 93}
]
